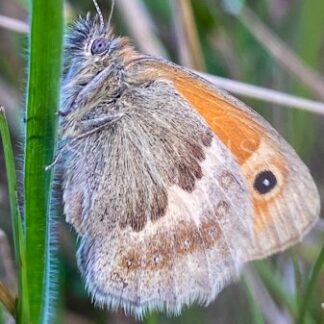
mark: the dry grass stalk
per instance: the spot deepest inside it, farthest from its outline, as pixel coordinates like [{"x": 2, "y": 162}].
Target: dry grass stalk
[
  {"x": 280, "y": 51},
  {"x": 190, "y": 53}
]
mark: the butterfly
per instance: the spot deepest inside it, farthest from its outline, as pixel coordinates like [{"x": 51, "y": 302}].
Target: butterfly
[{"x": 171, "y": 184}]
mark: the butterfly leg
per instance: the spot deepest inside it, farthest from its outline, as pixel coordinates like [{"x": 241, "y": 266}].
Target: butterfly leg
[
  {"x": 92, "y": 88},
  {"x": 88, "y": 127},
  {"x": 94, "y": 126},
  {"x": 99, "y": 122},
  {"x": 89, "y": 90}
]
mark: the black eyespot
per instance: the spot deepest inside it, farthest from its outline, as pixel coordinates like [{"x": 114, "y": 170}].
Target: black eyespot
[
  {"x": 99, "y": 45},
  {"x": 265, "y": 181}
]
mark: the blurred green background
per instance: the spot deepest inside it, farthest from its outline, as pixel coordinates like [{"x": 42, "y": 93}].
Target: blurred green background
[{"x": 222, "y": 44}]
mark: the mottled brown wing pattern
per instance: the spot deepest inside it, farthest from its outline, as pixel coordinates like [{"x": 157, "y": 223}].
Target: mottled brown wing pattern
[
  {"x": 170, "y": 183},
  {"x": 281, "y": 216},
  {"x": 160, "y": 205}
]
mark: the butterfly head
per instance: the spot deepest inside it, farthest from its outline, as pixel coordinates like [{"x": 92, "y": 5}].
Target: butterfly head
[
  {"x": 93, "y": 56},
  {"x": 90, "y": 42}
]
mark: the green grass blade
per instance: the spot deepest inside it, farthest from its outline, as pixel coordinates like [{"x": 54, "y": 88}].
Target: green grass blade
[
  {"x": 308, "y": 21},
  {"x": 12, "y": 179},
  {"x": 311, "y": 286},
  {"x": 2, "y": 319},
  {"x": 18, "y": 235},
  {"x": 42, "y": 102},
  {"x": 151, "y": 319},
  {"x": 273, "y": 283},
  {"x": 256, "y": 313}
]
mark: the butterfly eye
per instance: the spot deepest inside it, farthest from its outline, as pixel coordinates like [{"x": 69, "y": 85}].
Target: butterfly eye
[
  {"x": 265, "y": 181},
  {"x": 99, "y": 45}
]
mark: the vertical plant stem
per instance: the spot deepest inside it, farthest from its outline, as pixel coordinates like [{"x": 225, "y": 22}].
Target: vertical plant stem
[
  {"x": 42, "y": 101},
  {"x": 189, "y": 48},
  {"x": 2, "y": 319},
  {"x": 272, "y": 281},
  {"x": 18, "y": 235},
  {"x": 309, "y": 19},
  {"x": 310, "y": 287},
  {"x": 12, "y": 178},
  {"x": 256, "y": 313}
]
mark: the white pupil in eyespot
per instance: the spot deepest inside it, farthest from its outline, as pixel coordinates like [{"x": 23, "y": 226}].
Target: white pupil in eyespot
[{"x": 266, "y": 182}]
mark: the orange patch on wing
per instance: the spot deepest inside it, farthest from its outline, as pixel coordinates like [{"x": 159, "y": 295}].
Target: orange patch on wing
[
  {"x": 224, "y": 120},
  {"x": 230, "y": 124},
  {"x": 234, "y": 126}
]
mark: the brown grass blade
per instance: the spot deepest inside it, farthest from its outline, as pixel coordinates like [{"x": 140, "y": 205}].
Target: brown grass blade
[
  {"x": 281, "y": 52},
  {"x": 190, "y": 53}
]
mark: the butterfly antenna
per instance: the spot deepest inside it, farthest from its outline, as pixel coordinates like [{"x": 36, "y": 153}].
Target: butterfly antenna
[
  {"x": 111, "y": 11},
  {"x": 102, "y": 24}
]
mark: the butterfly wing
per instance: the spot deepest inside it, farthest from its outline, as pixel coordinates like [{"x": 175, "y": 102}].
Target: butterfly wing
[
  {"x": 159, "y": 202},
  {"x": 284, "y": 196},
  {"x": 175, "y": 196}
]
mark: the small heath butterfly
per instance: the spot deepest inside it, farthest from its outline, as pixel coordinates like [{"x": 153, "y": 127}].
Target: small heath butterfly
[{"x": 170, "y": 183}]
